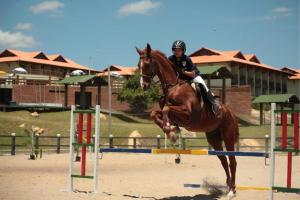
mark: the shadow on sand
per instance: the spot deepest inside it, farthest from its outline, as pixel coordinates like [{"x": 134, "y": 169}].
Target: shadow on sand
[{"x": 196, "y": 197}]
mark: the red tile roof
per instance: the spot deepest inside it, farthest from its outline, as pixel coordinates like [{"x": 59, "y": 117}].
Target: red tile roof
[
  {"x": 207, "y": 55},
  {"x": 295, "y": 72},
  {"x": 124, "y": 71},
  {"x": 10, "y": 55}
]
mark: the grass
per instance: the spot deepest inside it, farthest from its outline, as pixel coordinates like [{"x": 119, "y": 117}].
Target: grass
[{"x": 122, "y": 125}]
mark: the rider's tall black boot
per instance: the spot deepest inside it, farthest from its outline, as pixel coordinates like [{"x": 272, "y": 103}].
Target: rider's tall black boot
[{"x": 209, "y": 98}]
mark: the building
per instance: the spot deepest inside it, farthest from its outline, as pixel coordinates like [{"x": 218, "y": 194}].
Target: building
[
  {"x": 246, "y": 69},
  {"x": 294, "y": 81},
  {"x": 119, "y": 71},
  {"x": 38, "y": 85}
]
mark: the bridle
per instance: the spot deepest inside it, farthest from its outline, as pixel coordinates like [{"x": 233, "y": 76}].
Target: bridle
[{"x": 151, "y": 76}]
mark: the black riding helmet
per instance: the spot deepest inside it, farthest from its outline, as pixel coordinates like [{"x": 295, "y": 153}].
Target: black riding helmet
[{"x": 179, "y": 44}]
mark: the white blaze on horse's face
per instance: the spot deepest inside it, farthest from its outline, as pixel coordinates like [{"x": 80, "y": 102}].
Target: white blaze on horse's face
[
  {"x": 141, "y": 73},
  {"x": 143, "y": 83}
]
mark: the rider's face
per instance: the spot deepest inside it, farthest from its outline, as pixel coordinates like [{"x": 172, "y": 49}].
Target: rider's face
[{"x": 178, "y": 52}]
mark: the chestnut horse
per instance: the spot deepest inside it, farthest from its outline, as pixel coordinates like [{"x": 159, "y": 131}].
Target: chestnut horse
[{"x": 182, "y": 107}]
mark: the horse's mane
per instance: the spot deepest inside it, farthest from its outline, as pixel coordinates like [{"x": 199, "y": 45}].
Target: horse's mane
[{"x": 162, "y": 56}]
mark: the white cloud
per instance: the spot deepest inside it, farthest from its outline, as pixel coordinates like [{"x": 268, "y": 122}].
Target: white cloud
[
  {"x": 278, "y": 13},
  {"x": 24, "y": 26},
  {"x": 281, "y": 10},
  {"x": 269, "y": 17},
  {"x": 140, "y": 7},
  {"x": 16, "y": 40},
  {"x": 47, "y": 6}
]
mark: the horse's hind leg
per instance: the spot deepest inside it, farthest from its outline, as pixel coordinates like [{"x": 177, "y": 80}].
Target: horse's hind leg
[
  {"x": 229, "y": 144},
  {"x": 230, "y": 134},
  {"x": 214, "y": 139}
]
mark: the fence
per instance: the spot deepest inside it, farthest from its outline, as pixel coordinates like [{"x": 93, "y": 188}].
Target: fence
[{"x": 14, "y": 143}]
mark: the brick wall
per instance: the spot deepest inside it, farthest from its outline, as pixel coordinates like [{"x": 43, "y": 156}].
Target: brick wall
[
  {"x": 115, "y": 104},
  {"x": 37, "y": 94},
  {"x": 237, "y": 98},
  {"x": 55, "y": 94}
]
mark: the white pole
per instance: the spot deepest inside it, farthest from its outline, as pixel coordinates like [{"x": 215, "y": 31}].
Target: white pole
[
  {"x": 272, "y": 156},
  {"x": 96, "y": 153},
  {"x": 71, "y": 164}
]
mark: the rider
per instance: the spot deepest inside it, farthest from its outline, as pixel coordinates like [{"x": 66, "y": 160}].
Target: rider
[{"x": 188, "y": 71}]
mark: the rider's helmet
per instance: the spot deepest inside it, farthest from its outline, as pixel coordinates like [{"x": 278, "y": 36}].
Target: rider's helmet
[{"x": 179, "y": 44}]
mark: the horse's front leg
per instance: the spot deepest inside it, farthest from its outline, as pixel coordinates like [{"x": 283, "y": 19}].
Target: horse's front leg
[
  {"x": 166, "y": 120},
  {"x": 157, "y": 117},
  {"x": 179, "y": 115}
]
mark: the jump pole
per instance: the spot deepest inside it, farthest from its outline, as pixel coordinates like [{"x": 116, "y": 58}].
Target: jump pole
[
  {"x": 296, "y": 130},
  {"x": 84, "y": 144},
  {"x": 283, "y": 148},
  {"x": 272, "y": 157},
  {"x": 96, "y": 148},
  {"x": 71, "y": 162}
]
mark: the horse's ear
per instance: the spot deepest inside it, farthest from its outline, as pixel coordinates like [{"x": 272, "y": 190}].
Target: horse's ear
[
  {"x": 140, "y": 52},
  {"x": 148, "y": 50}
]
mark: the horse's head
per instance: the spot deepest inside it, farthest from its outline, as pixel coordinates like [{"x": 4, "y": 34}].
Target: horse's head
[{"x": 146, "y": 67}]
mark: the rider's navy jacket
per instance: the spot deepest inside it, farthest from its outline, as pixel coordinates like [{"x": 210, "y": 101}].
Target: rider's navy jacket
[{"x": 186, "y": 64}]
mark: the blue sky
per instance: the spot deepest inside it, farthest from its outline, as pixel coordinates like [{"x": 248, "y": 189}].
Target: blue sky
[{"x": 101, "y": 32}]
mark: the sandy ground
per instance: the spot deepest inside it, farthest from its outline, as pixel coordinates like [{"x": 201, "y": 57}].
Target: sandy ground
[{"x": 136, "y": 176}]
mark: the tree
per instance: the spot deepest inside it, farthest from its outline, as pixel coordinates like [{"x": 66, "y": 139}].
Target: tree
[{"x": 138, "y": 99}]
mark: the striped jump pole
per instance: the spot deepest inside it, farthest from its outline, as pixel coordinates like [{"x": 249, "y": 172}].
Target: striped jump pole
[
  {"x": 283, "y": 148},
  {"x": 296, "y": 130},
  {"x": 185, "y": 151},
  {"x": 83, "y": 143}
]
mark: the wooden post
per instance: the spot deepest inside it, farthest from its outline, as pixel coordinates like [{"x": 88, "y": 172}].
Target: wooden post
[
  {"x": 158, "y": 141},
  {"x": 254, "y": 83},
  {"x": 82, "y": 97},
  {"x": 266, "y": 143},
  {"x": 284, "y": 130},
  {"x": 13, "y": 144},
  {"x": 238, "y": 75},
  {"x": 58, "y": 137},
  {"x": 268, "y": 83},
  {"x": 111, "y": 141},
  {"x": 208, "y": 81},
  {"x": 66, "y": 96},
  {"x": 99, "y": 94},
  {"x": 261, "y": 82},
  {"x": 246, "y": 74},
  {"x": 261, "y": 110}
]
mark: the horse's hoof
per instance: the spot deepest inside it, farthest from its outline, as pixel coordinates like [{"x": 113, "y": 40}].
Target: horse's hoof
[
  {"x": 172, "y": 137},
  {"x": 231, "y": 195},
  {"x": 167, "y": 129},
  {"x": 176, "y": 130}
]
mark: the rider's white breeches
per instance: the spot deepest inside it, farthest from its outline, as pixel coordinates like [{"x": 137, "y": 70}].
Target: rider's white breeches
[{"x": 199, "y": 79}]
